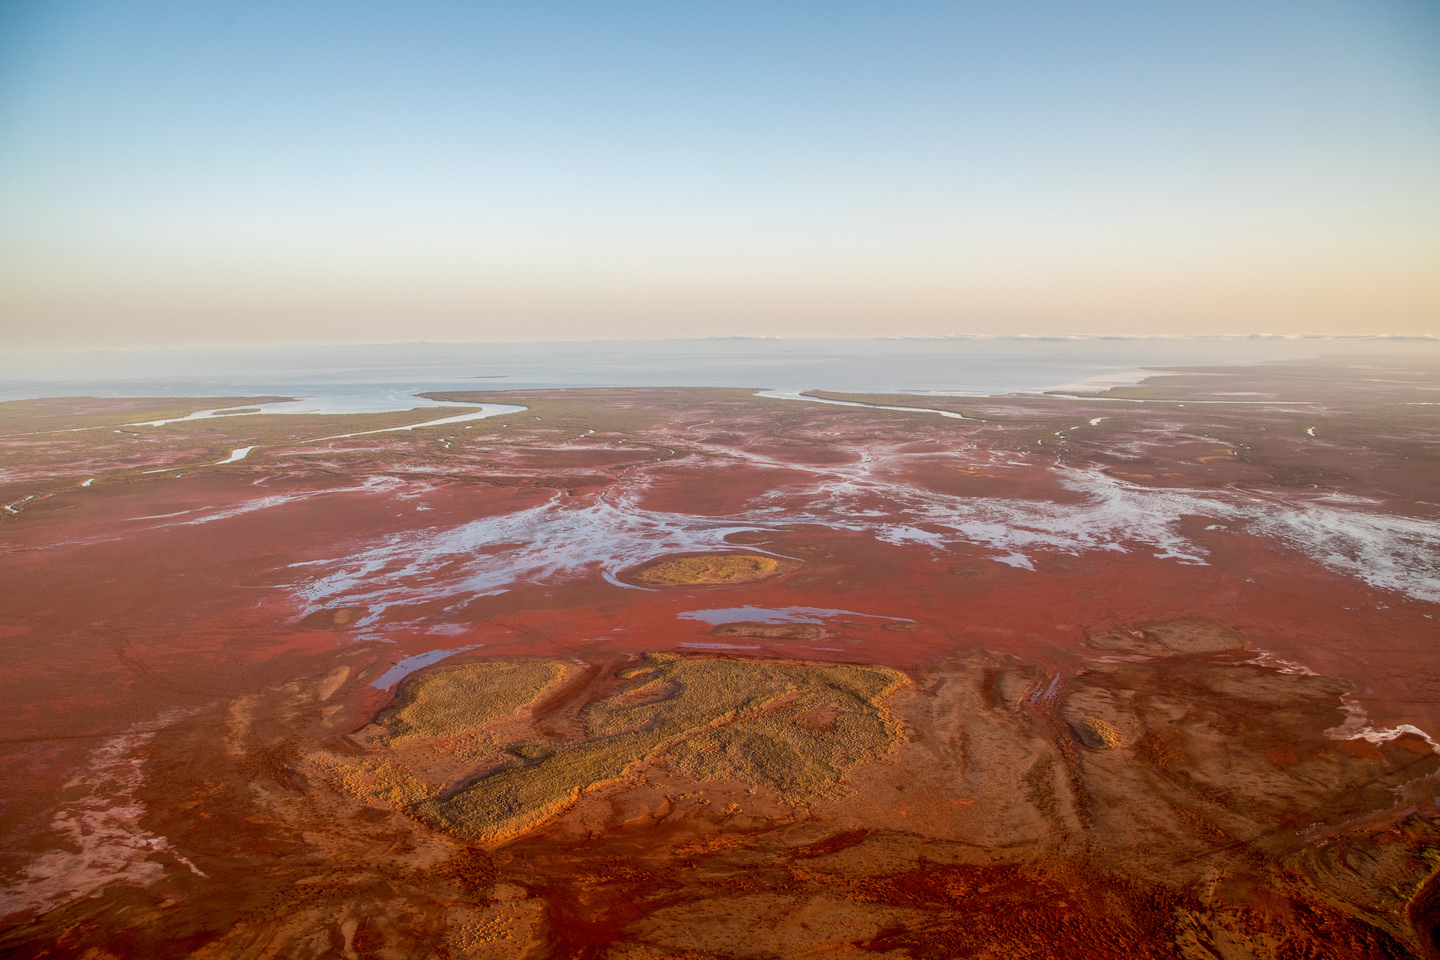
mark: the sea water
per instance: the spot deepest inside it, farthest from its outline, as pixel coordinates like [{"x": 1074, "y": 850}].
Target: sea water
[{"x": 383, "y": 377}]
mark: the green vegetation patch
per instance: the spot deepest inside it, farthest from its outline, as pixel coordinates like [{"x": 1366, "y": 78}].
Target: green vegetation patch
[
  {"x": 454, "y": 700},
  {"x": 794, "y": 728}
]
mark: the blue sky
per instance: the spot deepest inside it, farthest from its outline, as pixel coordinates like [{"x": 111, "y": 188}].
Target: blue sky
[{"x": 196, "y": 173}]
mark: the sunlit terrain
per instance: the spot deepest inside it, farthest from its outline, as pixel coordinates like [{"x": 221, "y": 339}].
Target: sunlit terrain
[{"x": 661, "y": 672}]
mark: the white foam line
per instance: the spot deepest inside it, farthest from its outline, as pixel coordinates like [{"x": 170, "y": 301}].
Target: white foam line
[
  {"x": 1357, "y": 726},
  {"x": 716, "y": 617},
  {"x": 556, "y": 540},
  {"x": 239, "y": 453},
  {"x": 250, "y": 506},
  {"x": 203, "y": 415},
  {"x": 403, "y": 668},
  {"x": 1046, "y": 695},
  {"x": 1182, "y": 402},
  {"x": 103, "y": 840},
  {"x": 797, "y": 395},
  {"x": 568, "y": 537},
  {"x": 489, "y": 410},
  {"x": 156, "y": 516},
  {"x": 1281, "y": 665},
  {"x": 226, "y": 513}
]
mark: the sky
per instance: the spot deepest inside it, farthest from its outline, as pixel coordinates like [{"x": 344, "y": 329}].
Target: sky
[{"x": 180, "y": 173}]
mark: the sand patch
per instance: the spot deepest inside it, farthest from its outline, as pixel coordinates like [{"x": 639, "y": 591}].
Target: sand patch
[
  {"x": 451, "y": 701},
  {"x": 708, "y": 569},
  {"x": 770, "y": 631},
  {"x": 472, "y": 751}
]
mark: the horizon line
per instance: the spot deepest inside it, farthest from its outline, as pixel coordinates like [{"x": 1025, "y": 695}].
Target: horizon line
[{"x": 253, "y": 345}]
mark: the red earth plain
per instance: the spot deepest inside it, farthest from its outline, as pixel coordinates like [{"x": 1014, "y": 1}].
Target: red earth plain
[{"x": 660, "y": 673}]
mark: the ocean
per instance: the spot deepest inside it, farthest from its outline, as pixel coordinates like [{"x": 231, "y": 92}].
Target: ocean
[{"x": 379, "y": 377}]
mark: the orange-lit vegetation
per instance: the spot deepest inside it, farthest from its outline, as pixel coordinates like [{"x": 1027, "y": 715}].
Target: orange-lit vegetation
[
  {"x": 707, "y": 718},
  {"x": 723, "y": 568}
]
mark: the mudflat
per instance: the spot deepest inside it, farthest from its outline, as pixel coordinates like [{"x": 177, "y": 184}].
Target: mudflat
[{"x": 696, "y": 673}]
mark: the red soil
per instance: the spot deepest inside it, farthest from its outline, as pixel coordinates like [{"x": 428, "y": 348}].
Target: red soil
[{"x": 142, "y": 595}]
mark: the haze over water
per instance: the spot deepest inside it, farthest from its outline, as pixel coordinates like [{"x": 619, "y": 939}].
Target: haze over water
[{"x": 360, "y": 378}]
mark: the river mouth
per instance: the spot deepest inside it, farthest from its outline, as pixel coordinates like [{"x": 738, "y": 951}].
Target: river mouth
[{"x": 380, "y": 400}]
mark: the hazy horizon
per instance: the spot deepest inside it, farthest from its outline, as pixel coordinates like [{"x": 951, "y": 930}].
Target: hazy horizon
[
  {"x": 267, "y": 173},
  {"x": 392, "y": 375}
]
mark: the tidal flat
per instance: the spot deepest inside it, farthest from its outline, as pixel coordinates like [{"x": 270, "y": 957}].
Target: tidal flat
[{"x": 1147, "y": 671}]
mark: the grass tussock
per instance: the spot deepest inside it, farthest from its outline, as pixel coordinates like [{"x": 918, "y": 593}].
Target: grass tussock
[
  {"x": 792, "y": 728},
  {"x": 711, "y": 569},
  {"x": 1097, "y": 733},
  {"x": 454, "y": 700},
  {"x": 385, "y": 783}
]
